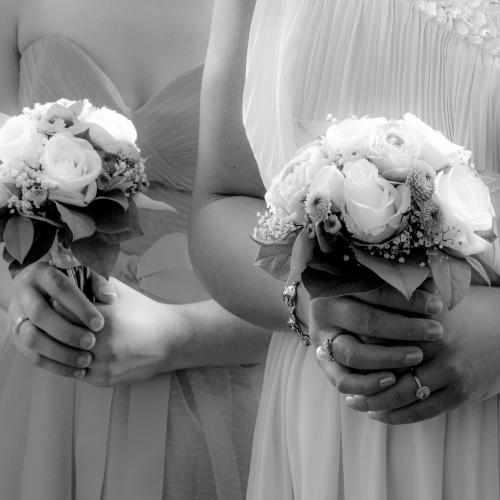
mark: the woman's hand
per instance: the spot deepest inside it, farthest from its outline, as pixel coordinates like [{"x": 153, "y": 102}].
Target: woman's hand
[
  {"x": 136, "y": 340},
  {"x": 355, "y": 324},
  {"x": 41, "y": 294},
  {"x": 465, "y": 367}
]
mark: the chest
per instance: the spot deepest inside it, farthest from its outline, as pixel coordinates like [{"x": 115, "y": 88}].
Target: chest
[{"x": 140, "y": 44}]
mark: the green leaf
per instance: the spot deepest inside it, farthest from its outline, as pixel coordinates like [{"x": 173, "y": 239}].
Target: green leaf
[
  {"x": 44, "y": 235},
  {"x": 452, "y": 276},
  {"x": 79, "y": 223},
  {"x": 18, "y": 236},
  {"x": 405, "y": 277},
  {"x": 96, "y": 253},
  {"x": 478, "y": 267},
  {"x": 308, "y": 131},
  {"x": 302, "y": 254},
  {"x": 45, "y": 219},
  {"x": 274, "y": 257},
  {"x": 115, "y": 196},
  {"x": 321, "y": 284},
  {"x": 111, "y": 218}
]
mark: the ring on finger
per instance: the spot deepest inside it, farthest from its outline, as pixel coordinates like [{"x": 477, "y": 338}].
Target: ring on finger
[
  {"x": 325, "y": 351},
  {"x": 19, "y": 321},
  {"x": 423, "y": 391}
]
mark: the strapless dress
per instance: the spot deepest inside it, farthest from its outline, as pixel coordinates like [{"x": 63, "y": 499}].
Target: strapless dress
[{"x": 182, "y": 435}]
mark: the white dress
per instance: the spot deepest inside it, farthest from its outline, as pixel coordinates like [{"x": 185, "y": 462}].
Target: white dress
[{"x": 307, "y": 58}]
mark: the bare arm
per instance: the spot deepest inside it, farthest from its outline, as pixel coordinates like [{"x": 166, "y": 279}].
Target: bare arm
[
  {"x": 9, "y": 84},
  {"x": 229, "y": 189}
]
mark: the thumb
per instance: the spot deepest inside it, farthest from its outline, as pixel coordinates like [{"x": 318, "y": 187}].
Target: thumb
[{"x": 103, "y": 289}]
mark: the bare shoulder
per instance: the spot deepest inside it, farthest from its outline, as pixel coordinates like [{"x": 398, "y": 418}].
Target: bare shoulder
[
  {"x": 9, "y": 56},
  {"x": 226, "y": 162}
]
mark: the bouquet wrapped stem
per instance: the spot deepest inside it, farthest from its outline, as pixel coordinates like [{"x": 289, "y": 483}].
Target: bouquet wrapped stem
[{"x": 63, "y": 259}]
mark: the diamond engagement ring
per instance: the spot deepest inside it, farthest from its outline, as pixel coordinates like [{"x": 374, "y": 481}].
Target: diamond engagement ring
[
  {"x": 18, "y": 323},
  {"x": 325, "y": 351},
  {"x": 423, "y": 391}
]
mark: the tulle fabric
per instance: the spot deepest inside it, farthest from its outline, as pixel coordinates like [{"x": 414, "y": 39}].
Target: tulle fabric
[
  {"x": 308, "y": 58},
  {"x": 183, "y": 435}
]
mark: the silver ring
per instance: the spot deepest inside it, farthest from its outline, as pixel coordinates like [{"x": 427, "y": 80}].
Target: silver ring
[
  {"x": 423, "y": 391},
  {"x": 325, "y": 351},
  {"x": 19, "y": 321}
]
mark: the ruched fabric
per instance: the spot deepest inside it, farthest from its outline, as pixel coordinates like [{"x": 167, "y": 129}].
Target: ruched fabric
[
  {"x": 183, "y": 435},
  {"x": 309, "y": 58}
]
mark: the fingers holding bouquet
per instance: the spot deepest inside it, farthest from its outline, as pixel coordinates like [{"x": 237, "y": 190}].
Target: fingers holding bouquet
[
  {"x": 361, "y": 344},
  {"x": 366, "y": 215}
]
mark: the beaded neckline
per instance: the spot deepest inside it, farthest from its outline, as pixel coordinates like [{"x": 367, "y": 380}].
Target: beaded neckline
[{"x": 477, "y": 21}]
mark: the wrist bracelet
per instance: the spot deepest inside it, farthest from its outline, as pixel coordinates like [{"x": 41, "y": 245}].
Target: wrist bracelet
[{"x": 290, "y": 300}]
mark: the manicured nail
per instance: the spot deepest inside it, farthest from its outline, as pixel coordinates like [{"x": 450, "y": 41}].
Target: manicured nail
[
  {"x": 434, "y": 306},
  {"x": 387, "y": 381},
  {"x": 88, "y": 341},
  {"x": 80, "y": 373},
  {"x": 413, "y": 358},
  {"x": 84, "y": 360},
  {"x": 97, "y": 323},
  {"x": 435, "y": 332},
  {"x": 350, "y": 401},
  {"x": 108, "y": 291}
]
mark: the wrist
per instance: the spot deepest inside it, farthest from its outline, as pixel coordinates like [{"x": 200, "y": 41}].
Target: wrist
[{"x": 175, "y": 331}]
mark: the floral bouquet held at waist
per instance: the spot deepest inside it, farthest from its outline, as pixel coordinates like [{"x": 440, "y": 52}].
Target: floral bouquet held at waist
[
  {"x": 374, "y": 201},
  {"x": 71, "y": 180}
]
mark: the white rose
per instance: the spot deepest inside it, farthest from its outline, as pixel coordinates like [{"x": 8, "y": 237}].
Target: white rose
[
  {"x": 329, "y": 184},
  {"x": 393, "y": 147},
  {"x": 72, "y": 165},
  {"x": 374, "y": 208},
  {"x": 435, "y": 148},
  {"x": 287, "y": 193},
  {"x": 466, "y": 205},
  {"x": 117, "y": 125},
  {"x": 19, "y": 139},
  {"x": 351, "y": 135}
]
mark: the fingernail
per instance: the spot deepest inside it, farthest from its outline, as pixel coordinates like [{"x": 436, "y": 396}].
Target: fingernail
[
  {"x": 84, "y": 360},
  {"x": 388, "y": 381},
  {"x": 88, "y": 341},
  {"x": 79, "y": 373},
  {"x": 322, "y": 353},
  {"x": 435, "y": 332},
  {"x": 350, "y": 401},
  {"x": 413, "y": 358},
  {"x": 97, "y": 323},
  {"x": 434, "y": 306},
  {"x": 108, "y": 291},
  {"x": 373, "y": 414}
]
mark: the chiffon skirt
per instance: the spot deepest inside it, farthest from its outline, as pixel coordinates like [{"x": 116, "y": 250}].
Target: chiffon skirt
[
  {"x": 183, "y": 435},
  {"x": 309, "y": 445}
]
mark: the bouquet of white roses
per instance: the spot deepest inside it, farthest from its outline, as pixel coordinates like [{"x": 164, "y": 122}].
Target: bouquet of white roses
[
  {"x": 374, "y": 201},
  {"x": 71, "y": 179}
]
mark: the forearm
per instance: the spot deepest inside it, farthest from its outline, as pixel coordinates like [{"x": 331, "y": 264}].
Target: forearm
[
  {"x": 211, "y": 336},
  {"x": 224, "y": 253}
]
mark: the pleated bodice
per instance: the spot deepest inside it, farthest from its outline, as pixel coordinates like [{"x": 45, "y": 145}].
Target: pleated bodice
[{"x": 309, "y": 58}]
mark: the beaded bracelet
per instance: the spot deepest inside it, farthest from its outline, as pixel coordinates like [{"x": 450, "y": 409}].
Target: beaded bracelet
[{"x": 290, "y": 300}]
